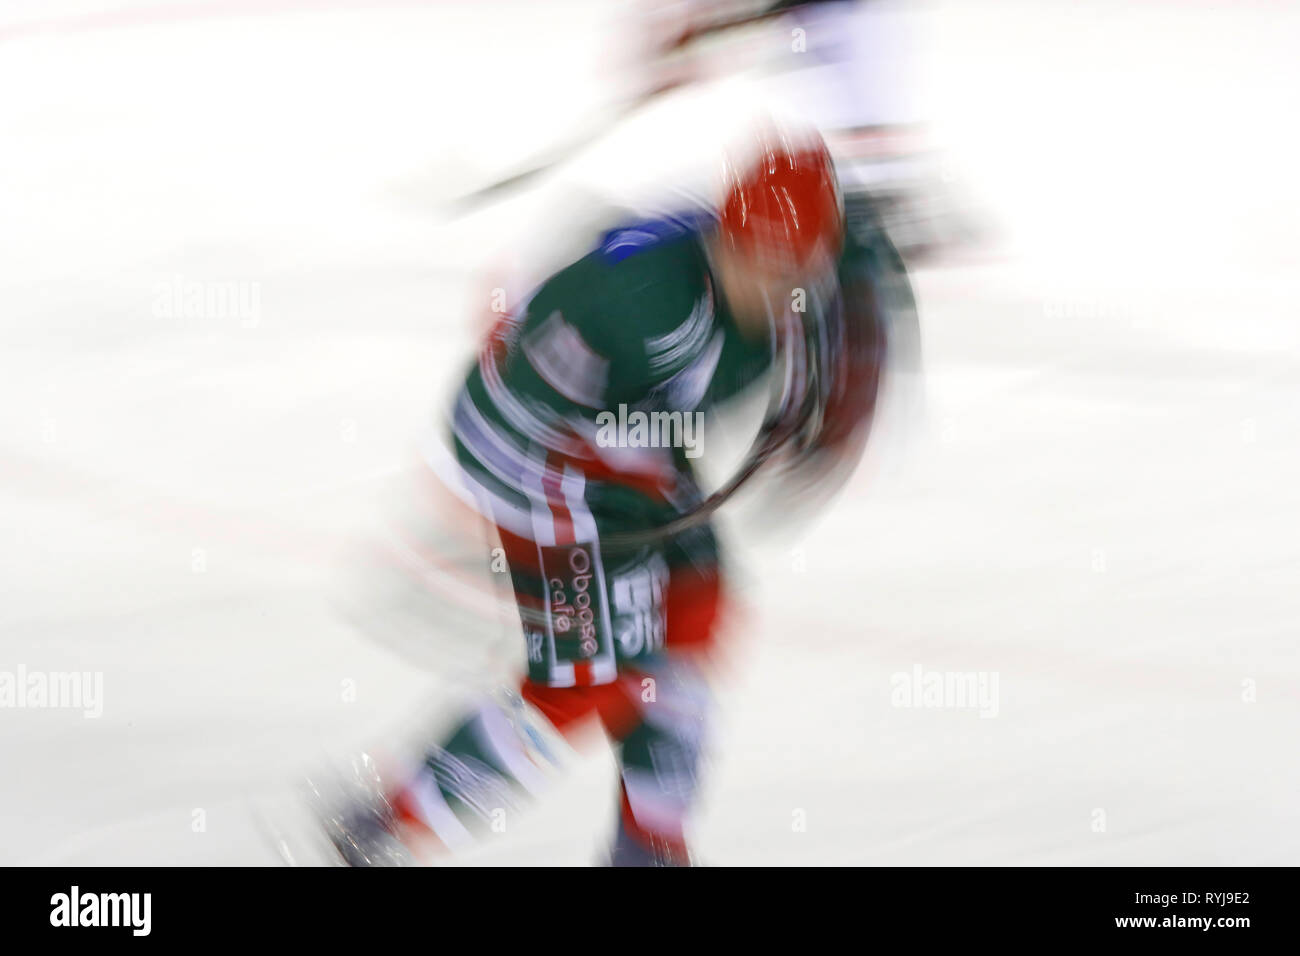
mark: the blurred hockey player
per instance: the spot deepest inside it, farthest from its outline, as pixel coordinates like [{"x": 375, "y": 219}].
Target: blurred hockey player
[{"x": 616, "y": 571}]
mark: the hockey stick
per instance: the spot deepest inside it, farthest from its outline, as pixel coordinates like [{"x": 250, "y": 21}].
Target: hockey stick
[
  {"x": 786, "y": 421},
  {"x": 574, "y": 145},
  {"x": 764, "y": 447},
  {"x": 486, "y": 195}
]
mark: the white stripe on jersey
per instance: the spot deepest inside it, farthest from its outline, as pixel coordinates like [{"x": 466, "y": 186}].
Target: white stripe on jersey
[{"x": 566, "y": 362}]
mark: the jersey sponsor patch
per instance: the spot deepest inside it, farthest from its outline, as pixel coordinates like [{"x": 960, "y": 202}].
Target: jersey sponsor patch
[{"x": 627, "y": 240}]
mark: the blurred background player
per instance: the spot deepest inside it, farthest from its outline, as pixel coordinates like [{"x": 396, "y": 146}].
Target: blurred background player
[
  {"x": 616, "y": 571},
  {"x": 852, "y": 69}
]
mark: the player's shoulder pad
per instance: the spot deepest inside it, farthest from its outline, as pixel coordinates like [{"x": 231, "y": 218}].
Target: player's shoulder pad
[{"x": 640, "y": 236}]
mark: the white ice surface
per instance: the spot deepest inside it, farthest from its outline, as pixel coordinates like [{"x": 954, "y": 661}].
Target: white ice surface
[{"x": 1097, "y": 498}]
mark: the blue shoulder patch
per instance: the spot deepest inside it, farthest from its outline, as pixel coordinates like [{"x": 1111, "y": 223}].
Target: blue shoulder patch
[{"x": 627, "y": 240}]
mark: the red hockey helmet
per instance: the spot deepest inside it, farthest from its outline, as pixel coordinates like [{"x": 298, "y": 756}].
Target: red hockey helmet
[{"x": 785, "y": 207}]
